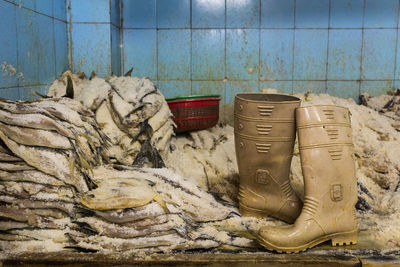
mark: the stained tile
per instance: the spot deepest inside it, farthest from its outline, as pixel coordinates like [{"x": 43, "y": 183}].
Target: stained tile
[
  {"x": 397, "y": 72},
  {"x": 46, "y": 50},
  {"x": 276, "y": 57},
  {"x": 378, "y": 54},
  {"x": 208, "y": 57},
  {"x": 315, "y": 87},
  {"x": 277, "y": 13},
  {"x": 242, "y": 14},
  {"x": 346, "y": 13},
  {"x": 344, "y": 58},
  {"x": 139, "y": 13},
  {"x": 90, "y": 10},
  {"x": 8, "y": 51},
  {"x": 140, "y": 52},
  {"x": 376, "y": 88},
  {"x": 285, "y": 87},
  {"x": 312, "y": 13},
  {"x": 211, "y": 87},
  {"x": 91, "y": 50},
  {"x": 242, "y": 50},
  {"x": 60, "y": 38},
  {"x": 174, "y": 88},
  {"x": 173, "y": 13},
  {"x": 115, "y": 12},
  {"x": 174, "y": 54},
  {"x": 11, "y": 93},
  {"x": 115, "y": 50},
  {"x": 381, "y": 14},
  {"x": 310, "y": 54},
  {"x": 28, "y": 92},
  {"x": 59, "y": 9},
  {"x": 31, "y": 4},
  {"x": 45, "y": 7},
  {"x": 208, "y": 13},
  {"x": 345, "y": 89},
  {"x": 28, "y": 45}
]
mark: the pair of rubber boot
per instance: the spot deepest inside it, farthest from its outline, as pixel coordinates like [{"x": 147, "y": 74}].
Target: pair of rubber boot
[{"x": 265, "y": 132}]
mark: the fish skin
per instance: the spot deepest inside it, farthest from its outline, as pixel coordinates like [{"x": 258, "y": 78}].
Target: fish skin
[
  {"x": 68, "y": 208},
  {"x": 36, "y": 121},
  {"x": 15, "y": 166},
  {"x": 47, "y": 161},
  {"x": 124, "y": 231},
  {"x": 8, "y": 158},
  {"x": 151, "y": 210},
  {"x": 33, "y": 176},
  {"x": 35, "y": 137},
  {"x": 158, "y": 120}
]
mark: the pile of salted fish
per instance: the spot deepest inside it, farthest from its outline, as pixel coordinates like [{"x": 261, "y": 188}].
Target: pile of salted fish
[
  {"x": 130, "y": 111},
  {"x": 61, "y": 189}
]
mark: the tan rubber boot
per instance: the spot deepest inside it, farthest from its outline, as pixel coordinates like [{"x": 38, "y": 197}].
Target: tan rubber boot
[
  {"x": 330, "y": 185},
  {"x": 264, "y": 138}
]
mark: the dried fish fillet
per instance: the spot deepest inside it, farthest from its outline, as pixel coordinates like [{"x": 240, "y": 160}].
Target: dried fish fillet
[
  {"x": 7, "y": 157},
  {"x": 117, "y": 193},
  {"x": 33, "y": 176},
  {"x": 15, "y": 166},
  {"x": 36, "y": 121},
  {"x": 47, "y": 161},
  {"x": 35, "y": 137}
]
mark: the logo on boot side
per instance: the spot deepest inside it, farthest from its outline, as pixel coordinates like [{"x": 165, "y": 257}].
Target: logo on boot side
[
  {"x": 263, "y": 177},
  {"x": 336, "y": 192}
]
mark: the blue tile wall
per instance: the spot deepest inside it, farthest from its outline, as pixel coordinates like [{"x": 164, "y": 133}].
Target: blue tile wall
[
  {"x": 276, "y": 58},
  {"x": 91, "y": 48},
  {"x": 59, "y": 9},
  {"x": 379, "y": 54},
  {"x": 208, "y": 14},
  {"x": 174, "y": 55},
  {"x": 310, "y": 54},
  {"x": 344, "y": 52},
  {"x": 277, "y": 13},
  {"x": 115, "y": 50},
  {"x": 61, "y": 47},
  {"x": 312, "y": 13},
  {"x": 242, "y": 14},
  {"x": 34, "y": 43},
  {"x": 381, "y": 14},
  {"x": 346, "y": 14},
  {"x": 140, "y": 52},
  {"x": 90, "y": 11},
  {"x": 139, "y": 13},
  {"x": 8, "y": 51},
  {"x": 242, "y": 50},
  {"x": 208, "y": 58},
  {"x": 173, "y": 13}
]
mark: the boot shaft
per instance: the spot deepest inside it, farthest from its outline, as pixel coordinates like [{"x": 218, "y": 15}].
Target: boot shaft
[
  {"x": 264, "y": 138},
  {"x": 327, "y": 159}
]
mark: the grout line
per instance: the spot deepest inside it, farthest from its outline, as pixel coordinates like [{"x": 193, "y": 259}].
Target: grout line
[
  {"x": 191, "y": 48},
  {"x": 157, "y": 70},
  {"x": 259, "y": 47},
  {"x": 293, "y": 44},
  {"x": 34, "y": 11},
  {"x": 327, "y": 47},
  {"x": 362, "y": 48},
  {"x": 396, "y": 44},
  {"x": 251, "y": 28},
  {"x": 54, "y": 47},
  {"x": 225, "y": 80}
]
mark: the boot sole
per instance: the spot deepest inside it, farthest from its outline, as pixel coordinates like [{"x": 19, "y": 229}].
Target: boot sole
[
  {"x": 337, "y": 239},
  {"x": 251, "y": 212}
]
